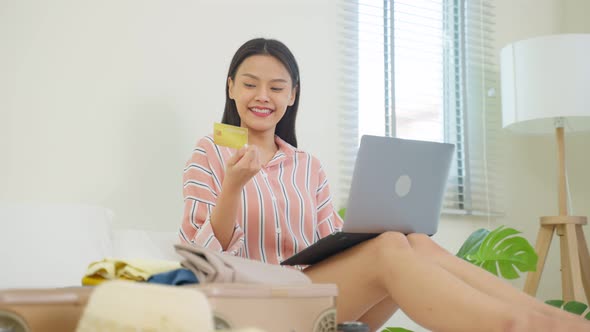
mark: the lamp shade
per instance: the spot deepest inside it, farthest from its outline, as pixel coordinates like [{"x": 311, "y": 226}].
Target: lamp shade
[{"x": 545, "y": 78}]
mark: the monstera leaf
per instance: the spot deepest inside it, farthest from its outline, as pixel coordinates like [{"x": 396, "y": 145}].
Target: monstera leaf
[
  {"x": 574, "y": 307},
  {"x": 472, "y": 243},
  {"x": 500, "y": 252}
]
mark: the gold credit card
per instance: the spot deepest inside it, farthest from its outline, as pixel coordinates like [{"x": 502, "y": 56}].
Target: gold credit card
[{"x": 230, "y": 136}]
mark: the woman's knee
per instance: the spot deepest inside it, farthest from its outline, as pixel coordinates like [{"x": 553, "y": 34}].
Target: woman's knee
[
  {"x": 389, "y": 243},
  {"x": 423, "y": 243},
  {"x": 395, "y": 239}
]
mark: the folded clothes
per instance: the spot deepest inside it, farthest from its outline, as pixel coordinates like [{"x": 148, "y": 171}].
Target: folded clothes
[
  {"x": 175, "y": 277},
  {"x": 131, "y": 269},
  {"x": 211, "y": 266}
]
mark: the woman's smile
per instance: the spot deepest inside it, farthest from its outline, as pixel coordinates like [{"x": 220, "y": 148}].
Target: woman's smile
[{"x": 262, "y": 112}]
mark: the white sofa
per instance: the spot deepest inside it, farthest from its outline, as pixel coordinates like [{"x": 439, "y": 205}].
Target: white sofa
[{"x": 51, "y": 245}]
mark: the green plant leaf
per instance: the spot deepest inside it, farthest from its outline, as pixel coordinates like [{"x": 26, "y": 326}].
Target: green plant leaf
[
  {"x": 504, "y": 254},
  {"x": 342, "y": 212},
  {"x": 471, "y": 245},
  {"x": 575, "y": 307},
  {"x": 395, "y": 329},
  {"x": 555, "y": 303}
]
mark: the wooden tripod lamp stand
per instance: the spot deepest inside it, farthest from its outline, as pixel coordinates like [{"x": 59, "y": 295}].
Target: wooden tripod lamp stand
[{"x": 545, "y": 82}]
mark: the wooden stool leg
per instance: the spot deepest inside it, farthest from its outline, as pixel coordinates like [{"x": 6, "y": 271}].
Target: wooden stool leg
[
  {"x": 570, "y": 264},
  {"x": 584, "y": 260},
  {"x": 542, "y": 247}
]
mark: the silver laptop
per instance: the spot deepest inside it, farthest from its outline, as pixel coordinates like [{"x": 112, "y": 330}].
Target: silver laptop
[{"x": 397, "y": 185}]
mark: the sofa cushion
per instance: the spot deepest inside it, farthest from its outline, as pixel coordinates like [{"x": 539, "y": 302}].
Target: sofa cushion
[{"x": 51, "y": 245}]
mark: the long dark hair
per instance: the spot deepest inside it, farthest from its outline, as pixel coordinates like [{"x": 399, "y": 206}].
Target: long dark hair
[{"x": 285, "y": 129}]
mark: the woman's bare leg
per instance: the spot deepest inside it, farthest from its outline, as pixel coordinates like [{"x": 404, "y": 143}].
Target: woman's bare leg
[
  {"x": 427, "y": 293},
  {"x": 478, "y": 277},
  {"x": 379, "y": 314}
]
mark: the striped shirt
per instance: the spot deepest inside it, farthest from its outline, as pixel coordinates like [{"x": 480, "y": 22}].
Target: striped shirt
[{"x": 283, "y": 209}]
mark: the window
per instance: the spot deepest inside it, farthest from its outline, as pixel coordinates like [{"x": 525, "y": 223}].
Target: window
[{"x": 425, "y": 69}]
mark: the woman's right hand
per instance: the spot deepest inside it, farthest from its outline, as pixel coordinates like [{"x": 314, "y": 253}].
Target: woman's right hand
[{"x": 242, "y": 166}]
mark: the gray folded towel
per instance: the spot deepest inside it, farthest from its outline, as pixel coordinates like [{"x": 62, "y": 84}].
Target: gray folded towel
[{"x": 210, "y": 266}]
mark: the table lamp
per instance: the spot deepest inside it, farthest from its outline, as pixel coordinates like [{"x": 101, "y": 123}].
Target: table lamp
[{"x": 546, "y": 84}]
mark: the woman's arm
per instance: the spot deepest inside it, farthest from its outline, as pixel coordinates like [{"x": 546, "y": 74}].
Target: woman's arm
[
  {"x": 205, "y": 195},
  {"x": 328, "y": 219},
  {"x": 240, "y": 168}
]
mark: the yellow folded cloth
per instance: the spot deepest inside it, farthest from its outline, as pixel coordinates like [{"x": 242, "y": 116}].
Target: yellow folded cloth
[{"x": 125, "y": 269}]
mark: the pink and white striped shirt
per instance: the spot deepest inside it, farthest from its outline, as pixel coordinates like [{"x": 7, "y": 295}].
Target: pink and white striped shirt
[{"x": 283, "y": 209}]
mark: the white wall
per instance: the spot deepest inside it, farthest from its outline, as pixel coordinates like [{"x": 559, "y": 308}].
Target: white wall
[{"x": 102, "y": 101}]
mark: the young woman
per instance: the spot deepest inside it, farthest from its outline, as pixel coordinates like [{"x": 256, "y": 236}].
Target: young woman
[{"x": 269, "y": 200}]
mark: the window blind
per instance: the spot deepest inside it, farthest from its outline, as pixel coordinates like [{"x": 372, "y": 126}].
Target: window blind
[{"x": 425, "y": 69}]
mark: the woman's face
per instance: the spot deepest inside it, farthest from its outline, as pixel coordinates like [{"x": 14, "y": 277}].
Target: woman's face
[{"x": 262, "y": 91}]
